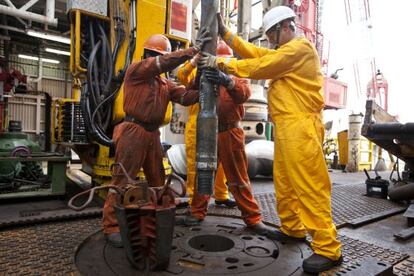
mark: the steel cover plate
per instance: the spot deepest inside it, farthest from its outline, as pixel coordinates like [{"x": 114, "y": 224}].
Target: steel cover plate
[{"x": 216, "y": 247}]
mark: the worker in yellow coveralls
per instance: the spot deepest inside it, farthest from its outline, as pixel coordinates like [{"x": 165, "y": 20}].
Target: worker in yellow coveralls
[{"x": 295, "y": 96}]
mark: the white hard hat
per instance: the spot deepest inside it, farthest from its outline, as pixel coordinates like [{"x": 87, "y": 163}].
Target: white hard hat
[{"x": 276, "y": 15}]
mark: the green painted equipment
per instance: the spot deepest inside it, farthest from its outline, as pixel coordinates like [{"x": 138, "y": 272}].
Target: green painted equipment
[{"x": 21, "y": 166}]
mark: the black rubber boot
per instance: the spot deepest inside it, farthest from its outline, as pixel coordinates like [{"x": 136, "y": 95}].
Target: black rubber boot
[
  {"x": 181, "y": 203},
  {"x": 228, "y": 203},
  {"x": 280, "y": 236},
  {"x": 260, "y": 229},
  {"x": 114, "y": 240},
  {"x": 187, "y": 220},
  {"x": 318, "y": 263}
]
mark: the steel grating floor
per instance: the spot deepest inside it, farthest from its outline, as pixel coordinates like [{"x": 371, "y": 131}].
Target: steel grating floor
[
  {"x": 349, "y": 205},
  {"x": 43, "y": 249},
  {"x": 49, "y": 249},
  {"x": 405, "y": 268}
]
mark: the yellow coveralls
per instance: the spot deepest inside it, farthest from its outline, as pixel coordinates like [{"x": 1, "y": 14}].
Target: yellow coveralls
[
  {"x": 186, "y": 73},
  {"x": 302, "y": 184}
]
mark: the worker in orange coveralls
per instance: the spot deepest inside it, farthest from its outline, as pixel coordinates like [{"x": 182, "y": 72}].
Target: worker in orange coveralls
[
  {"x": 146, "y": 97},
  {"x": 186, "y": 74},
  {"x": 233, "y": 92}
]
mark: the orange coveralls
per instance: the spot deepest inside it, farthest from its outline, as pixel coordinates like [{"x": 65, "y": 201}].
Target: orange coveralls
[
  {"x": 232, "y": 155},
  {"x": 146, "y": 97}
]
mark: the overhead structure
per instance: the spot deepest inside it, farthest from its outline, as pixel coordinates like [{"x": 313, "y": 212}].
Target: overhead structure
[
  {"x": 358, "y": 16},
  {"x": 48, "y": 18},
  {"x": 244, "y": 18}
]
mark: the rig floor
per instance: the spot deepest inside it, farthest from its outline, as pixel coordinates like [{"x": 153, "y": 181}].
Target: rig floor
[{"x": 75, "y": 246}]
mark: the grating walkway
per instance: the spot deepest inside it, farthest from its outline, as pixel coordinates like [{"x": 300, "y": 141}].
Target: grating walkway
[
  {"x": 49, "y": 249},
  {"x": 349, "y": 206}
]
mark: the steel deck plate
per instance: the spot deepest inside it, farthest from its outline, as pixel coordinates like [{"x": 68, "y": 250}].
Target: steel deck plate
[
  {"x": 49, "y": 249},
  {"x": 405, "y": 268},
  {"x": 43, "y": 249},
  {"x": 348, "y": 205},
  {"x": 355, "y": 252}
]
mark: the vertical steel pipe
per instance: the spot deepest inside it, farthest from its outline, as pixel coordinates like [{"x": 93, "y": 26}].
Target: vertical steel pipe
[{"x": 207, "y": 122}]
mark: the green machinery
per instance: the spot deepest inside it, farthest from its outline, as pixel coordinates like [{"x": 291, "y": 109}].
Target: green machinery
[{"x": 23, "y": 165}]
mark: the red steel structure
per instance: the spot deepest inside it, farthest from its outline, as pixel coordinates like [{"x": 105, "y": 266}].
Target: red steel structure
[{"x": 377, "y": 90}]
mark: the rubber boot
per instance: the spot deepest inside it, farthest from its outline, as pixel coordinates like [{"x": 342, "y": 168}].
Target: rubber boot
[
  {"x": 280, "y": 236},
  {"x": 228, "y": 203},
  {"x": 259, "y": 229},
  {"x": 187, "y": 220},
  {"x": 318, "y": 263}
]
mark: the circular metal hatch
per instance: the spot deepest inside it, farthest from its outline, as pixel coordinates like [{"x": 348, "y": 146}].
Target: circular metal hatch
[{"x": 219, "y": 246}]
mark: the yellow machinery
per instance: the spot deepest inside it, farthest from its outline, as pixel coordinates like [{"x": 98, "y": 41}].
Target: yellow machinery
[
  {"x": 365, "y": 152},
  {"x": 106, "y": 36}
]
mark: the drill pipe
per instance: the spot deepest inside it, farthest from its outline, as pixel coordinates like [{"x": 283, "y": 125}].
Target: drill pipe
[{"x": 207, "y": 122}]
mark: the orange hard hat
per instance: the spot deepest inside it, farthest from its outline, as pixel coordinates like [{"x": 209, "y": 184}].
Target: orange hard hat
[
  {"x": 158, "y": 43},
  {"x": 223, "y": 50}
]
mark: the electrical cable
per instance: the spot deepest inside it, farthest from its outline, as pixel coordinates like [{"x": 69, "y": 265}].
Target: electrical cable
[{"x": 103, "y": 83}]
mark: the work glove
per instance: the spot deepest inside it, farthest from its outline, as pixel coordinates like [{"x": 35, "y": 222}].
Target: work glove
[
  {"x": 219, "y": 78},
  {"x": 207, "y": 61},
  {"x": 222, "y": 29},
  {"x": 203, "y": 38}
]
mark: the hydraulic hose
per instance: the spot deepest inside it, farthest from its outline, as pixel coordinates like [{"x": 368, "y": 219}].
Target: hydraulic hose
[
  {"x": 95, "y": 134},
  {"x": 102, "y": 84},
  {"x": 96, "y": 95}
]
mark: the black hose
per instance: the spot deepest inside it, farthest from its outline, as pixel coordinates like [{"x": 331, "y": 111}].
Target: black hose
[
  {"x": 95, "y": 133},
  {"x": 94, "y": 129},
  {"x": 91, "y": 70},
  {"x": 106, "y": 84},
  {"x": 94, "y": 96},
  {"x": 102, "y": 86}
]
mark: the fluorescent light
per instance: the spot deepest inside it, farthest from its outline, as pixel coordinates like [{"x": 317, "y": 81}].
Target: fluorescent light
[
  {"x": 50, "y": 60},
  {"x": 28, "y": 57},
  {"x": 49, "y": 36},
  {"x": 36, "y": 58},
  {"x": 56, "y": 51}
]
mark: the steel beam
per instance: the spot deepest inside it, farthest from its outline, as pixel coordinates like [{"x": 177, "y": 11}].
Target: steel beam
[
  {"x": 9, "y": 3},
  {"x": 50, "y": 9},
  {"x": 50, "y": 4},
  {"x": 28, "y": 5},
  {"x": 10, "y": 28},
  {"x": 244, "y": 18}
]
